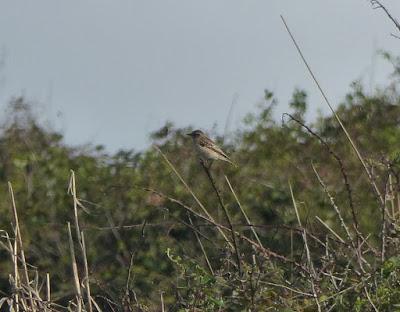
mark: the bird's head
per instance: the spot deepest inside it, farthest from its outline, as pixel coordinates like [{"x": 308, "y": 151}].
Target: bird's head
[{"x": 195, "y": 134}]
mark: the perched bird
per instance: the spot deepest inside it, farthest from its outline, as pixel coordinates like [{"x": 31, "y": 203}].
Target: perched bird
[{"x": 207, "y": 149}]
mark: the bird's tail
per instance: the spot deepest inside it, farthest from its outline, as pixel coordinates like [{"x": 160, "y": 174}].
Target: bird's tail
[{"x": 231, "y": 162}]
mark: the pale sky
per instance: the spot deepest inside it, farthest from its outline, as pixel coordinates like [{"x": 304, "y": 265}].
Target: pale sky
[{"x": 110, "y": 72}]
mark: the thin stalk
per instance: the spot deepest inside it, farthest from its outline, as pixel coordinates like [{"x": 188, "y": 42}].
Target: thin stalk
[
  {"x": 191, "y": 192},
  {"x": 48, "y": 288},
  {"x": 310, "y": 264},
  {"x": 201, "y": 246},
  {"x": 18, "y": 239},
  {"x": 75, "y": 271},
  {"x": 330, "y": 230},
  {"x": 370, "y": 300},
  {"x": 291, "y": 256},
  {"x": 356, "y": 245},
  {"x": 383, "y": 230},
  {"x": 72, "y": 190},
  {"x": 335, "y": 207},
  {"x": 48, "y": 291},
  {"x": 16, "y": 275},
  {"x": 128, "y": 279},
  {"x": 243, "y": 212},
  {"x": 228, "y": 218},
  {"x": 353, "y": 145},
  {"x": 162, "y": 302},
  {"x": 87, "y": 283},
  {"x": 392, "y": 197},
  {"x": 263, "y": 250}
]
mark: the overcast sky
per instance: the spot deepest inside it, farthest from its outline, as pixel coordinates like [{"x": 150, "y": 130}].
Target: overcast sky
[{"x": 110, "y": 72}]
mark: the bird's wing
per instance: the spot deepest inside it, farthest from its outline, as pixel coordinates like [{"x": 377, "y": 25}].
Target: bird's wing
[{"x": 206, "y": 142}]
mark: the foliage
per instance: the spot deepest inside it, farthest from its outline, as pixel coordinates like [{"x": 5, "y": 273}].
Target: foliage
[{"x": 140, "y": 242}]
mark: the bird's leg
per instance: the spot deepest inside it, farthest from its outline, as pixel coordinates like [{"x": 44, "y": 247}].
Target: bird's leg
[
  {"x": 206, "y": 163},
  {"x": 202, "y": 162}
]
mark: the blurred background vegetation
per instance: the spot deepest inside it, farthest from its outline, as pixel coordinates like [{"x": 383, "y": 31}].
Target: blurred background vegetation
[{"x": 130, "y": 228}]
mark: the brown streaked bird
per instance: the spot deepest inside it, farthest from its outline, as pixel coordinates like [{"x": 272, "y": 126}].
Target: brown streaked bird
[{"x": 207, "y": 149}]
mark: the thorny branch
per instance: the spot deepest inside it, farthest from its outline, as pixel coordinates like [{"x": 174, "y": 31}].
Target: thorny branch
[{"x": 338, "y": 160}]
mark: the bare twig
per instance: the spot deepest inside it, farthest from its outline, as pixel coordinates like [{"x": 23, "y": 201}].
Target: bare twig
[
  {"x": 383, "y": 229},
  {"x": 289, "y": 288},
  {"x": 356, "y": 245},
  {"x": 392, "y": 197},
  {"x": 370, "y": 300},
  {"x": 335, "y": 207},
  {"x": 353, "y": 145},
  {"x": 243, "y": 212},
  {"x": 378, "y": 5},
  {"x": 228, "y": 218},
  {"x": 263, "y": 250},
  {"x": 313, "y": 275},
  {"x": 340, "y": 163},
  {"x": 191, "y": 192},
  {"x": 128, "y": 279}
]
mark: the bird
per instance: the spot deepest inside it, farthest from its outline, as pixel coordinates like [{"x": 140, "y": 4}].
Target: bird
[{"x": 206, "y": 148}]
